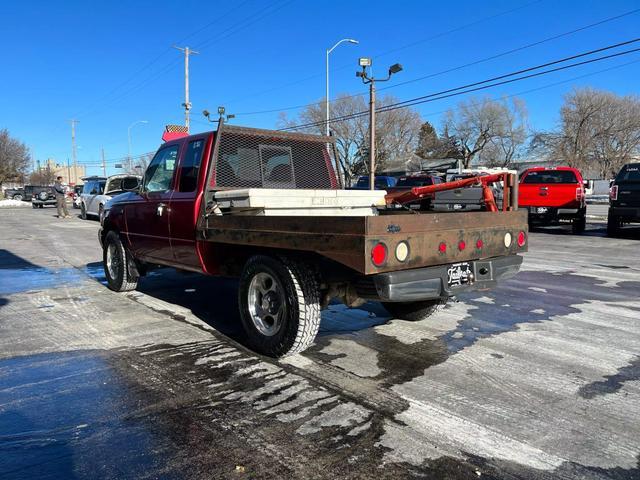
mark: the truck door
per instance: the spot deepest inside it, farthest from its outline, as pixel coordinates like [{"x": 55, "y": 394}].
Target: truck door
[
  {"x": 148, "y": 216},
  {"x": 184, "y": 202}
]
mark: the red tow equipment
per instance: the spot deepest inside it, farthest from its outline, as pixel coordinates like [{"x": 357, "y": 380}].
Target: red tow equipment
[{"x": 484, "y": 181}]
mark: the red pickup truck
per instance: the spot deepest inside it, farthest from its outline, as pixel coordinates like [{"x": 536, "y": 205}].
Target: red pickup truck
[
  {"x": 291, "y": 265},
  {"x": 554, "y": 196}
]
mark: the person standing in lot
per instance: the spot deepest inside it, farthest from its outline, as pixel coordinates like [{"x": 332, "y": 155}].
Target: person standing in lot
[{"x": 61, "y": 201}]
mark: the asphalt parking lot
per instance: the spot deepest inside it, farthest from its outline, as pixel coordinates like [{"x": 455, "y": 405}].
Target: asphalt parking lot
[{"x": 537, "y": 379}]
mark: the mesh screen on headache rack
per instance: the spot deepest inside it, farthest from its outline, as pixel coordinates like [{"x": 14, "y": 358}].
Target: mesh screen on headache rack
[{"x": 252, "y": 158}]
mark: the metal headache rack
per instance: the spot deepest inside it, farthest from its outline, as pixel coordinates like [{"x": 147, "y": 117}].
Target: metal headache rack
[{"x": 253, "y": 158}]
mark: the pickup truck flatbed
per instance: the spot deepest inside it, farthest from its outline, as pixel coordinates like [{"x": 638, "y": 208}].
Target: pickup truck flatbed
[{"x": 292, "y": 266}]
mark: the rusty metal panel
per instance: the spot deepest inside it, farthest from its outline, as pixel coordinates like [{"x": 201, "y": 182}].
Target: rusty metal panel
[{"x": 349, "y": 240}]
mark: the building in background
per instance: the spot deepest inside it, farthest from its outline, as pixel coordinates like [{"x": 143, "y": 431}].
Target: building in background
[{"x": 71, "y": 173}]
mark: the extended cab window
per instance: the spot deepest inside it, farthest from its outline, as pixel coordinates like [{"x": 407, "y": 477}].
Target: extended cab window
[
  {"x": 191, "y": 166},
  {"x": 630, "y": 173},
  {"x": 550, "y": 176},
  {"x": 159, "y": 174}
]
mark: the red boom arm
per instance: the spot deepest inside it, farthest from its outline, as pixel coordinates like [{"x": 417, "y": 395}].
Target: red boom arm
[{"x": 417, "y": 193}]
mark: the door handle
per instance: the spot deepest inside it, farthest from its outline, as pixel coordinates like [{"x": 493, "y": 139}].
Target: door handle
[{"x": 160, "y": 209}]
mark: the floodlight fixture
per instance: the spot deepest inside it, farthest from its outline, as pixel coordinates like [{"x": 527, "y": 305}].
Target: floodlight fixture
[
  {"x": 395, "y": 68},
  {"x": 364, "y": 61}
]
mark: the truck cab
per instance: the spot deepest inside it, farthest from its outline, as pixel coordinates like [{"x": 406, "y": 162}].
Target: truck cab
[{"x": 554, "y": 196}]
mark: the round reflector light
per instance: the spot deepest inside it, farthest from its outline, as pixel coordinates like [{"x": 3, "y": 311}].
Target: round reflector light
[
  {"x": 479, "y": 244},
  {"x": 522, "y": 239},
  {"x": 507, "y": 239},
  {"x": 402, "y": 251},
  {"x": 442, "y": 248},
  {"x": 462, "y": 245},
  {"x": 379, "y": 254}
]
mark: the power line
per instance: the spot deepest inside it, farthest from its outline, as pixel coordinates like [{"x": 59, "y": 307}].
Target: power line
[
  {"x": 482, "y": 85},
  {"x": 453, "y": 69},
  {"x": 233, "y": 29},
  {"x": 433, "y": 37}
]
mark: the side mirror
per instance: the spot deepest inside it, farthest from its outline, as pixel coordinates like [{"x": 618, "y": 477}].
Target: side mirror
[{"x": 131, "y": 184}]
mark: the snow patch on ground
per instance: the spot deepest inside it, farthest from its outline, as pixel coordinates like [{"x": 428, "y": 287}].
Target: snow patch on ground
[{"x": 7, "y": 202}]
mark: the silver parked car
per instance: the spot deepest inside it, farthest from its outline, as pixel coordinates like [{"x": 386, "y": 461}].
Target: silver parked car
[{"x": 99, "y": 190}]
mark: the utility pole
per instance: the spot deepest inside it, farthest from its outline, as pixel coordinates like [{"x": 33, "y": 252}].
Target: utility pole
[
  {"x": 68, "y": 171},
  {"x": 187, "y": 104},
  {"x": 104, "y": 164},
  {"x": 366, "y": 79},
  {"x": 74, "y": 151}
]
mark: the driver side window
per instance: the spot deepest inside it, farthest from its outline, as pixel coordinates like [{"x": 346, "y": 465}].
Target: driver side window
[{"x": 160, "y": 172}]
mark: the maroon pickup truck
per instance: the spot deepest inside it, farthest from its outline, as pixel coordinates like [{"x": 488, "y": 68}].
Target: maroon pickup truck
[{"x": 290, "y": 266}]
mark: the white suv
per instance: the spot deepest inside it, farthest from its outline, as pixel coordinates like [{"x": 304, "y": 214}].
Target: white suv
[{"x": 98, "y": 191}]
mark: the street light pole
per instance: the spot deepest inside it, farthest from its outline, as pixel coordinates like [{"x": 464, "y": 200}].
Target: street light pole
[
  {"x": 129, "y": 138},
  {"x": 348, "y": 40},
  {"x": 366, "y": 79},
  {"x": 187, "y": 104}
]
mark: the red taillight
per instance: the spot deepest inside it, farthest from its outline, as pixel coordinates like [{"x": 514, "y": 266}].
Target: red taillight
[
  {"x": 613, "y": 192},
  {"x": 442, "y": 248},
  {"x": 462, "y": 245},
  {"x": 379, "y": 254},
  {"x": 579, "y": 193},
  {"x": 522, "y": 239},
  {"x": 479, "y": 244}
]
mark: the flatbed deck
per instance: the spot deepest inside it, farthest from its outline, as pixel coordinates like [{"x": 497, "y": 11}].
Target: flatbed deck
[{"x": 349, "y": 240}]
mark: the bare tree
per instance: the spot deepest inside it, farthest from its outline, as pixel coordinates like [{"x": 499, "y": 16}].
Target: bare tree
[
  {"x": 14, "y": 157},
  {"x": 598, "y": 132},
  {"x": 43, "y": 176},
  {"x": 396, "y": 132},
  {"x": 493, "y": 130}
]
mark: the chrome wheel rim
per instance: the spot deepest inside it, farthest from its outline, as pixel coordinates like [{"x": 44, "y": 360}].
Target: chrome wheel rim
[
  {"x": 266, "y": 303},
  {"x": 113, "y": 261}
]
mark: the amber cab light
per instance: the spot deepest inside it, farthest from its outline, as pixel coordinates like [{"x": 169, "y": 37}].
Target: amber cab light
[
  {"x": 522, "y": 239},
  {"x": 462, "y": 245},
  {"x": 479, "y": 244},
  {"x": 442, "y": 248},
  {"x": 379, "y": 254}
]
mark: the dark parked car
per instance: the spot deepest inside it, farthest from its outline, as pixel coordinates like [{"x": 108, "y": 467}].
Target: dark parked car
[
  {"x": 382, "y": 182},
  {"x": 14, "y": 193},
  {"x": 45, "y": 196},
  {"x": 408, "y": 182},
  {"x": 624, "y": 198},
  {"x": 31, "y": 191}
]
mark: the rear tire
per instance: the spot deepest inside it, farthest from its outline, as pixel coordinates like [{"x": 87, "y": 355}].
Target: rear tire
[
  {"x": 579, "y": 224},
  {"x": 613, "y": 225},
  {"x": 414, "y": 311},
  {"x": 18, "y": 197},
  {"x": 279, "y": 300},
  {"x": 115, "y": 260}
]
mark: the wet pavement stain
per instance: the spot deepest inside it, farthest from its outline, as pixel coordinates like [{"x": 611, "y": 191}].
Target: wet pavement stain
[
  {"x": 65, "y": 416},
  {"x": 612, "y": 383}
]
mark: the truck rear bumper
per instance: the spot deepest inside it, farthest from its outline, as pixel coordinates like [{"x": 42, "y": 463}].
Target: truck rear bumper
[
  {"x": 632, "y": 214},
  {"x": 432, "y": 282}
]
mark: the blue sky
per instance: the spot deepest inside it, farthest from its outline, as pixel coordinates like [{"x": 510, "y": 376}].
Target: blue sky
[{"x": 109, "y": 64}]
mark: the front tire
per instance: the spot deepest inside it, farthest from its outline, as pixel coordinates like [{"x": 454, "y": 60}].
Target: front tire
[
  {"x": 279, "y": 301},
  {"x": 115, "y": 260},
  {"x": 83, "y": 211},
  {"x": 414, "y": 311}
]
